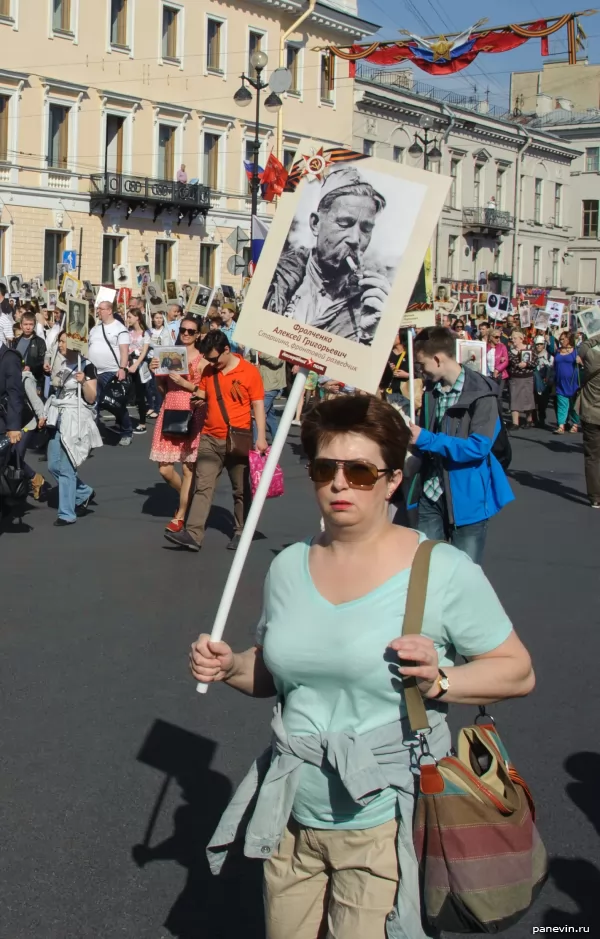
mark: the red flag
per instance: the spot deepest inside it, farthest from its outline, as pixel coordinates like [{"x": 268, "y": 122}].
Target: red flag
[{"x": 274, "y": 178}]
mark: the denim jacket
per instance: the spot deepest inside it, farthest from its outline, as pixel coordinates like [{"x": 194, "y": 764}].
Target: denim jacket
[{"x": 366, "y": 764}]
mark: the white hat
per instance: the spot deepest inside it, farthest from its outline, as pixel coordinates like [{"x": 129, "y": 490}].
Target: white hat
[{"x": 539, "y": 341}]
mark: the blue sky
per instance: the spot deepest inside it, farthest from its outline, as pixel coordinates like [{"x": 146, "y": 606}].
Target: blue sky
[{"x": 488, "y": 71}]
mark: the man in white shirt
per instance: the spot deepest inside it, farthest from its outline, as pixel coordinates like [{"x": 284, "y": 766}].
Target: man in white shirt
[
  {"x": 6, "y": 329},
  {"x": 109, "y": 352}
]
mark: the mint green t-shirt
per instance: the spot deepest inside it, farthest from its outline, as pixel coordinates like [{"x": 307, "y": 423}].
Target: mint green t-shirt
[{"x": 328, "y": 661}]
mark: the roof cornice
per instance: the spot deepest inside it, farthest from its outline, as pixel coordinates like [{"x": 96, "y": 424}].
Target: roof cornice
[{"x": 324, "y": 16}]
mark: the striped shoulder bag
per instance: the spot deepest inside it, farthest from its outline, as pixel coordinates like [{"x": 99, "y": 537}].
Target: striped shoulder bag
[{"x": 481, "y": 860}]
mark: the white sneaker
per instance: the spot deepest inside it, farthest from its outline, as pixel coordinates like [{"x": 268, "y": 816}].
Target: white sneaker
[
  {"x": 296, "y": 423},
  {"x": 125, "y": 442}
]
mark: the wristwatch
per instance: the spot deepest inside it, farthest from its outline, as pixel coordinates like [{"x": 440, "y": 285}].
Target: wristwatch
[{"x": 443, "y": 684}]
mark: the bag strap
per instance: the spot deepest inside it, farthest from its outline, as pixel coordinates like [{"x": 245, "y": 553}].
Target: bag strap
[
  {"x": 412, "y": 626},
  {"x": 114, "y": 354},
  {"x": 220, "y": 399}
]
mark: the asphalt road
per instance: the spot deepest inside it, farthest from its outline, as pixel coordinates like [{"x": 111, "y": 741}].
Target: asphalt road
[{"x": 114, "y": 771}]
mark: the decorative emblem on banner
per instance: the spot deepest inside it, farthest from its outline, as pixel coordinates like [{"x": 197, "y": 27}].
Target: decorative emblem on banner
[{"x": 315, "y": 165}]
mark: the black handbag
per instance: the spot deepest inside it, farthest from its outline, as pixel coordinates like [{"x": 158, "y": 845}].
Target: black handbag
[
  {"x": 239, "y": 439},
  {"x": 116, "y": 393},
  {"x": 177, "y": 423}
]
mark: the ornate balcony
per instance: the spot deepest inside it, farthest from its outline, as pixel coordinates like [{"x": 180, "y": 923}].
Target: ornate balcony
[
  {"x": 139, "y": 192},
  {"x": 487, "y": 221}
]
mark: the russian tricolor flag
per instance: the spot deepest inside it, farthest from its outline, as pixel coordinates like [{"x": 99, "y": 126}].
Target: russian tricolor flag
[{"x": 259, "y": 232}]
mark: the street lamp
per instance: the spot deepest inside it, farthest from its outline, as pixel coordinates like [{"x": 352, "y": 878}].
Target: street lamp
[
  {"x": 421, "y": 142},
  {"x": 243, "y": 97}
]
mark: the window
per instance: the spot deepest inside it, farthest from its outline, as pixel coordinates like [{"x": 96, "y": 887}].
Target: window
[
  {"x": 166, "y": 151},
  {"x": 118, "y": 22},
  {"x": 293, "y": 65},
  {"x": 213, "y": 45},
  {"x": 537, "y": 254},
  {"x": 592, "y": 159},
  {"x": 500, "y": 189},
  {"x": 537, "y": 202},
  {"x": 476, "y": 247},
  {"x": 4, "y": 104},
  {"x": 162, "y": 262},
  {"x": 558, "y": 204},
  {"x": 206, "y": 275},
  {"x": 590, "y": 218},
  {"x": 211, "y": 160},
  {"x": 58, "y": 137},
  {"x": 111, "y": 256},
  {"x": 61, "y": 16},
  {"x": 556, "y": 268},
  {"x": 451, "y": 270},
  {"x": 398, "y": 154},
  {"x": 54, "y": 245},
  {"x": 169, "y": 32},
  {"x": 288, "y": 159},
  {"x": 477, "y": 194},
  {"x": 249, "y": 159},
  {"x": 5, "y": 11},
  {"x": 114, "y": 143},
  {"x": 327, "y": 77},
  {"x": 254, "y": 45},
  {"x": 369, "y": 147},
  {"x": 521, "y": 196},
  {"x": 454, "y": 173}
]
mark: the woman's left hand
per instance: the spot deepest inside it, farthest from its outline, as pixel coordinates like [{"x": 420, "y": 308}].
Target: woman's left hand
[
  {"x": 176, "y": 377},
  {"x": 422, "y": 652}
]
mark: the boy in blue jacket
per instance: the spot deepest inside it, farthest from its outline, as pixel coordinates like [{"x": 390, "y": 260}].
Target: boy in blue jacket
[{"x": 463, "y": 484}]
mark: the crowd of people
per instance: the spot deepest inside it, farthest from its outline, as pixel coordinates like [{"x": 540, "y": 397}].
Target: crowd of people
[{"x": 195, "y": 416}]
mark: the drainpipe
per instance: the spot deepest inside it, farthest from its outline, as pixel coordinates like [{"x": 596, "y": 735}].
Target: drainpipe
[
  {"x": 282, "y": 41},
  {"x": 437, "y": 227},
  {"x": 517, "y": 205}
]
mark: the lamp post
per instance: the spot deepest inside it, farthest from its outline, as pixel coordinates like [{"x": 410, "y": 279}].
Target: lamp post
[
  {"x": 421, "y": 142},
  {"x": 243, "y": 97}
]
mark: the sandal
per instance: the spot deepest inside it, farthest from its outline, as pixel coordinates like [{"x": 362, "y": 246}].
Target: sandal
[
  {"x": 559, "y": 430},
  {"x": 175, "y": 525},
  {"x": 152, "y": 415},
  {"x": 574, "y": 429}
]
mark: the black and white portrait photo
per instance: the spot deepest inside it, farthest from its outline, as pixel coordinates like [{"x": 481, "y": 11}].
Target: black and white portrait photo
[
  {"x": 171, "y": 290},
  {"x": 122, "y": 275},
  {"x": 342, "y": 251},
  {"x": 77, "y": 325},
  {"x": 154, "y": 294},
  {"x": 590, "y": 321},
  {"x": 14, "y": 284}
]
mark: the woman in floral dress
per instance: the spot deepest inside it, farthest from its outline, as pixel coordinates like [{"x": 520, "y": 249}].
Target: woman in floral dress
[{"x": 167, "y": 449}]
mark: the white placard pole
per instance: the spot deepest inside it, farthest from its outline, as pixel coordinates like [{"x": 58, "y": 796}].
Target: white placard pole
[
  {"x": 258, "y": 502},
  {"x": 411, "y": 376},
  {"x": 79, "y": 399}
]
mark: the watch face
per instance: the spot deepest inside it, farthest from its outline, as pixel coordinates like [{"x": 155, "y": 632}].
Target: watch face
[{"x": 444, "y": 684}]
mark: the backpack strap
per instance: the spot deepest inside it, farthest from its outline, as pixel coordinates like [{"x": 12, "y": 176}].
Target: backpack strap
[{"x": 412, "y": 626}]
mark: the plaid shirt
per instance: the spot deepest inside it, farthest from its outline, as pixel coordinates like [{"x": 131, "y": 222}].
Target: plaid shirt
[{"x": 432, "y": 487}]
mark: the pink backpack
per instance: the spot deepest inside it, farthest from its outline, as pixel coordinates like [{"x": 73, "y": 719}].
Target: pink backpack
[{"x": 257, "y": 464}]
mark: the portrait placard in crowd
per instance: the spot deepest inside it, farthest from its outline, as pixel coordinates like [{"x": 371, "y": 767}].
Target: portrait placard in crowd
[
  {"x": 590, "y": 321},
  {"x": 122, "y": 275},
  {"x": 77, "y": 325},
  {"x": 340, "y": 262}
]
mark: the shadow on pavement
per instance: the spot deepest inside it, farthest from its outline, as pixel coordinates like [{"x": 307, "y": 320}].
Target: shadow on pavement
[
  {"x": 578, "y": 878},
  {"x": 554, "y": 487},
  {"x": 162, "y": 501},
  {"x": 208, "y": 907}
]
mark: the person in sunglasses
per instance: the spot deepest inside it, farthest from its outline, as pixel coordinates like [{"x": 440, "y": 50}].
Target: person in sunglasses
[
  {"x": 234, "y": 393},
  {"x": 329, "y": 806},
  {"x": 169, "y": 449}
]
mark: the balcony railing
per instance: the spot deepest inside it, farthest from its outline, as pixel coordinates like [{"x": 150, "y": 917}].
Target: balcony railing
[
  {"x": 139, "y": 192},
  {"x": 477, "y": 219}
]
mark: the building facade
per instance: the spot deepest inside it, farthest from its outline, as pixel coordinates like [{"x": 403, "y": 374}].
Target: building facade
[
  {"x": 506, "y": 211},
  {"x": 557, "y": 82},
  {"x": 92, "y": 138},
  {"x": 581, "y": 130}
]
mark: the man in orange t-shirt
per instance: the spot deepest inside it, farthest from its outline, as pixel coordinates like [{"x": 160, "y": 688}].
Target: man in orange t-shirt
[{"x": 242, "y": 395}]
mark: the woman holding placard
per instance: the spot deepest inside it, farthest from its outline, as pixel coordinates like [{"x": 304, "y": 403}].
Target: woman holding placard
[
  {"x": 567, "y": 384},
  {"x": 178, "y": 428},
  {"x": 521, "y": 366},
  {"x": 333, "y": 816}
]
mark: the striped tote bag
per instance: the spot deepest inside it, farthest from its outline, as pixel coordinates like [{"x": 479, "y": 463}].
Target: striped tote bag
[{"x": 481, "y": 860}]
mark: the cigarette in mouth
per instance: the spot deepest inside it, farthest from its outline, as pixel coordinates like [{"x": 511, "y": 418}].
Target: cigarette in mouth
[{"x": 351, "y": 263}]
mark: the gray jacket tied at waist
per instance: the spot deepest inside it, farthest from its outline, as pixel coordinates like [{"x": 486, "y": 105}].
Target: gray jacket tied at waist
[{"x": 366, "y": 764}]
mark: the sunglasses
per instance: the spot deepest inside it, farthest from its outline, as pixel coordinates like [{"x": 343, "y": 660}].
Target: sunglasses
[
  {"x": 188, "y": 332},
  {"x": 359, "y": 474},
  {"x": 213, "y": 358}
]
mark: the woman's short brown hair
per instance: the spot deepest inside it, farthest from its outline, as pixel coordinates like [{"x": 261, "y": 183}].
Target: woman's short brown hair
[{"x": 357, "y": 414}]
